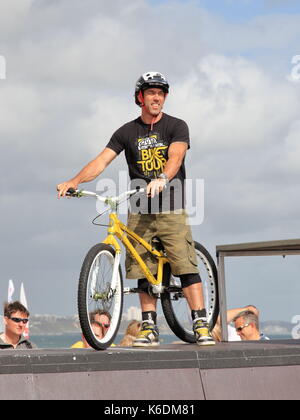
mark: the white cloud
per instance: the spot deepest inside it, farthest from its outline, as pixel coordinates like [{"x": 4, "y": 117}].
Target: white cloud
[
  {"x": 104, "y": 116},
  {"x": 21, "y": 113},
  {"x": 232, "y": 103},
  {"x": 244, "y": 130},
  {"x": 290, "y": 160},
  {"x": 12, "y": 18}
]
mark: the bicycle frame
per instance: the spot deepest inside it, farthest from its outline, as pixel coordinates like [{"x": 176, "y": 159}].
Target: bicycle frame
[
  {"x": 118, "y": 229},
  {"x": 110, "y": 289}
]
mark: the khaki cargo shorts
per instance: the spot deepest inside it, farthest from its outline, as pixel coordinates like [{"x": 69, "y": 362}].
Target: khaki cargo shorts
[{"x": 176, "y": 237}]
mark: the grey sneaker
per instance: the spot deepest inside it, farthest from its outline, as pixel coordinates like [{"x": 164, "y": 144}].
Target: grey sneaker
[
  {"x": 148, "y": 336},
  {"x": 202, "y": 333}
]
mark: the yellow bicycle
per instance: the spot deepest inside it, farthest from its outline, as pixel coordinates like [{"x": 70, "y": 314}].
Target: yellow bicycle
[{"x": 100, "y": 288}]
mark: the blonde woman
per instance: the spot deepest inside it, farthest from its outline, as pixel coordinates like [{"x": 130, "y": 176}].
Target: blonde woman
[{"x": 131, "y": 333}]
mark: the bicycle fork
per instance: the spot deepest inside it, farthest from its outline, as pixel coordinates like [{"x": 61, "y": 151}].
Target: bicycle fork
[{"x": 116, "y": 270}]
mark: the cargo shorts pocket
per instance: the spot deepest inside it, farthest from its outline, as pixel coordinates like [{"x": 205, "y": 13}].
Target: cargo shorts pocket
[{"x": 191, "y": 249}]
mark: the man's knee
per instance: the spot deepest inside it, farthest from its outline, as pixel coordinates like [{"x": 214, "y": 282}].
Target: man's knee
[{"x": 189, "y": 279}]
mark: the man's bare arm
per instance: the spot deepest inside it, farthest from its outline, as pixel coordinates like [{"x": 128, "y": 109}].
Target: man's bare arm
[
  {"x": 89, "y": 172},
  {"x": 177, "y": 152},
  {"x": 232, "y": 313}
]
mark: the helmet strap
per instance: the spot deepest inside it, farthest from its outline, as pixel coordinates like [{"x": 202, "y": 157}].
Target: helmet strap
[{"x": 141, "y": 98}]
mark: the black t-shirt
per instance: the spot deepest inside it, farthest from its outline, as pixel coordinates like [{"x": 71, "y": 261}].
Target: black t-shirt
[{"x": 146, "y": 154}]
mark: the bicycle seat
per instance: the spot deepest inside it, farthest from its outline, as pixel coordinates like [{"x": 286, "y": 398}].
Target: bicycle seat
[{"x": 157, "y": 244}]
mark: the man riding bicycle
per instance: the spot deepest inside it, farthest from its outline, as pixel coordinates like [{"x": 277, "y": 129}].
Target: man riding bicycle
[{"x": 155, "y": 145}]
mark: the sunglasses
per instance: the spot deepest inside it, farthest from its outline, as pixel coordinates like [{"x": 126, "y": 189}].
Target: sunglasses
[
  {"x": 239, "y": 329},
  {"x": 102, "y": 325},
  {"x": 18, "y": 320}
]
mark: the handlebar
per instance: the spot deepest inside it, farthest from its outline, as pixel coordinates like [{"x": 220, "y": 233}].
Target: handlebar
[
  {"x": 107, "y": 200},
  {"x": 80, "y": 193}
]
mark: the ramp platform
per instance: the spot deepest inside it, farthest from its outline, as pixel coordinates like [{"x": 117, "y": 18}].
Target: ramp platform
[{"x": 241, "y": 370}]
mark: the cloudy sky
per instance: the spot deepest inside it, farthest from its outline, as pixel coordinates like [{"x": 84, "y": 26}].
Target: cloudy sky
[{"x": 70, "y": 72}]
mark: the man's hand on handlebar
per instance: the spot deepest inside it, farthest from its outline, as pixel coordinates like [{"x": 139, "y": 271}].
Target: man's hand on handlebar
[
  {"x": 155, "y": 187},
  {"x": 64, "y": 187}
]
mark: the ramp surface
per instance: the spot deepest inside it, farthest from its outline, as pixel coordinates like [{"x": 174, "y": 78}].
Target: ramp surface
[{"x": 242, "y": 370}]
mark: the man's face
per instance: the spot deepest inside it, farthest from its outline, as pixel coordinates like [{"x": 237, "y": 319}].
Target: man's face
[
  {"x": 244, "y": 329},
  {"x": 104, "y": 321},
  {"x": 154, "y": 100},
  {"x": 98, "y": 331},
  {"x": 14, "y": 327}
]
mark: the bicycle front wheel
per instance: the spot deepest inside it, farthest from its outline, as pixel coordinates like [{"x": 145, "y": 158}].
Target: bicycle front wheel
[
  {"x": 175, "y": 306},
  {"x": 100, "y": 297}
]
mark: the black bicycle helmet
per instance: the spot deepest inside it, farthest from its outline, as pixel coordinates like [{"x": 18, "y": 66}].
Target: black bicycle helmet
[{"x": 150, "y": 79}]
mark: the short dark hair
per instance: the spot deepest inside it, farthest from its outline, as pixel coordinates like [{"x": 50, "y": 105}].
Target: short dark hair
[
  {"x": 99, "y": 312},
  {"x": 10, "y": 308}
]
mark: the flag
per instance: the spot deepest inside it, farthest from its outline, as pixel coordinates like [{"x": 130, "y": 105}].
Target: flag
[
  {"x": 11, "y": 289},
  {"x": 23, "y": 300}
]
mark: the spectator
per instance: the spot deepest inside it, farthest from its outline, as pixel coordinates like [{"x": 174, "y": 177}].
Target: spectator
[
  {"x": 247, "y": 326},
  {"x": 231, "y": 314},
  {"x": 103, "y": 318},
  {"x": 83, "y": 344},
  {"x": 16, "y": 316},
  {"x": 131, "y": 333}
]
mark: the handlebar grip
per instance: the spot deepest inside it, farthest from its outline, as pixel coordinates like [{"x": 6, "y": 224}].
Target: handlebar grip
[{"x": 72, "y": 192}]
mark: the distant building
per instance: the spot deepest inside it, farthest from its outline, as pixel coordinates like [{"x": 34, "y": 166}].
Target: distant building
[{"x": 133, "y": 312}]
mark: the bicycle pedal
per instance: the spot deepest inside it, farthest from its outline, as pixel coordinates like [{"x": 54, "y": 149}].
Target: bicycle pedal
[{"x": 128, "y": 290}]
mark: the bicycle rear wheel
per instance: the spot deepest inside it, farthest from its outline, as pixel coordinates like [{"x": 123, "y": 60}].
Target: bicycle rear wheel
[
  {"x": 100, "y": 297},
  {"x": 175, "y": 306}
]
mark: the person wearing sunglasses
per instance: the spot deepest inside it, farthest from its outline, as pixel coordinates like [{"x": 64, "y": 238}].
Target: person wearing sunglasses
[
  {"x": 247, "y": 326},
  {"x": 233, "y": 333},
  {"x": 103, "y": 318},
  {"x": 236, "y": 333},
  {"x": 16, "y": 317}
]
